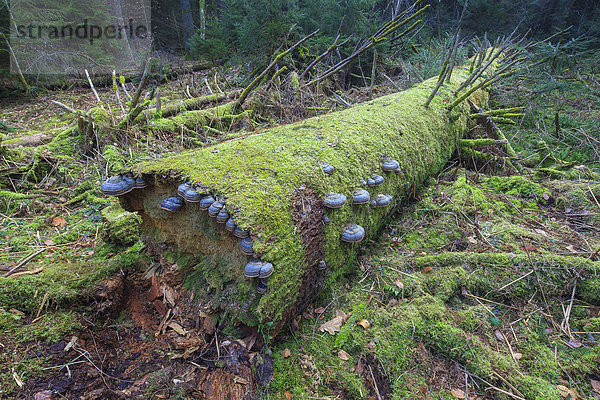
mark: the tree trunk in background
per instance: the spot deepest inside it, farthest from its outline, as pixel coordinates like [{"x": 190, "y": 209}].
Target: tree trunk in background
[
  {"x": 188, "y": 22},
  {"x": 202, "y": 13}
]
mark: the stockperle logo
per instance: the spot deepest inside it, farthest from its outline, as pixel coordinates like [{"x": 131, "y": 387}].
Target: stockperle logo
[{"x": 48, "y": 38}]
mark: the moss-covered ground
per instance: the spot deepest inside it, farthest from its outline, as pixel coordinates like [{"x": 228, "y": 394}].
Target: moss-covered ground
[{"x": 476, "y": 286}]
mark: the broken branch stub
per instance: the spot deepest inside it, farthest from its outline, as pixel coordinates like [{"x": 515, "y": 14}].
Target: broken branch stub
[{"x": 270, "y": 187}]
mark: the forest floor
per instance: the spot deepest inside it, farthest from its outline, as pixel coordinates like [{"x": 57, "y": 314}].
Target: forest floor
[{"x": 483, "y": 285}]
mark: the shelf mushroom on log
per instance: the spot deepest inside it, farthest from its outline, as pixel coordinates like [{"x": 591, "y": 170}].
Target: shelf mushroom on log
[{"x": 274, "y": 184}]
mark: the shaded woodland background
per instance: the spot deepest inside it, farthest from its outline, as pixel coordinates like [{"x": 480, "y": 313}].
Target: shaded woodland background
[{"x": 249, "y": 32}]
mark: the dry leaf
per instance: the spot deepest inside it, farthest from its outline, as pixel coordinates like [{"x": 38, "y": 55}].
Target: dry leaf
[
  {"x": 16, "y": 312},
  {"x": 343, "y": 355},
  {"x": 332, "y": 326},
  {"x": 427, "y": 270},
  {"x": 59, "y": 221},
  {"x": 458, "y": 393},
  {"x": 48, "y": 242},
  {"x": 170, "y": 295},
  {"x": 499, "y": 336},
  {"x": 471, "y": 240},
  {"x": 517, "y": 356},
  {"x": 567, "y": 392},
  {"x": 541, "y": 232},
  {"x": 571, "y": 248},
  {"x": 288, "y": 395},
  {"x": 28, "y": 272},
  {"x": 364, "y": 323},
  {"x": 399, "y": 284},
  {"x": 595, "y": 385},
  {"x": 574, "y": 344},
  {"x": 286, "y": 353}
]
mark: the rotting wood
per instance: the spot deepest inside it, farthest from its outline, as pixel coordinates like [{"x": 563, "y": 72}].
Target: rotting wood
[{"x": 273, "y": 181}]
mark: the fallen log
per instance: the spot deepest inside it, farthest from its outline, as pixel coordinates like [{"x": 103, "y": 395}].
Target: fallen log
[{"x": 274, "y": 184}]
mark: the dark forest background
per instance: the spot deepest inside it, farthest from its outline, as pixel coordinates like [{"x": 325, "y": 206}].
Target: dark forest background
[{"x": 251, "y": 31}]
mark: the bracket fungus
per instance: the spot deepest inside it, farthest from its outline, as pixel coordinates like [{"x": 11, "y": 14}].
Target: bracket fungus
[
  {"x": 390, "y": 165},
  {"x": 117, "y": 186},
  {"x": 172, "y": 204},
  {"x": 334, "y": 200},
  {"x": 353, "y": 233},
  {"x": 247, "y": 246},
  {"x": 361, "y": 196}
]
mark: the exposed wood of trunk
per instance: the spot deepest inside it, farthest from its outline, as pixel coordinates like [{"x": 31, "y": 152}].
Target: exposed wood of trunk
[{"x": 273, "y": 185}]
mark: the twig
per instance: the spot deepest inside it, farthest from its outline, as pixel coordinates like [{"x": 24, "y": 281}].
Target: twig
[
  {"x": 378, "y": 37},
  {"x": 93, "y": 88},
  {"x": 240, "y": 101},
  {"x": 516, "y": 280},
  {"x": 565, "y": 323},
  {"x": 375, "y": 384},
  {"x": 15, "y": 61},
  {"x": 64, "y": 106},
  {"x": 141, "y": 86},
  {"x": 391, "y": 82},
  {"x": 373, "y": 72},
  {"x": 23, "y": 262},
  {"x": 39, "y": 311},
  {"x": 116, "y": 88}
]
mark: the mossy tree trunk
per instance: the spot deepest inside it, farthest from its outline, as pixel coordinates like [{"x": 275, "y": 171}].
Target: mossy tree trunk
[{"x": 273, "y": 185}]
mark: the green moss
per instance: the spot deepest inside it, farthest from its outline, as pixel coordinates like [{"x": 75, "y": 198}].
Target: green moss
[
  {"x": 467, "y": 198},
  {"x": 474, "y": 319},
  {"x": 120, "y": 227},
  {"x": 8, "y": 321},
  {"x": 518, "y": 186},
  {"x": 65, "y": 283},
  {"x": 50, "y": 328},
  {"x": 114, "y": 158}
]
